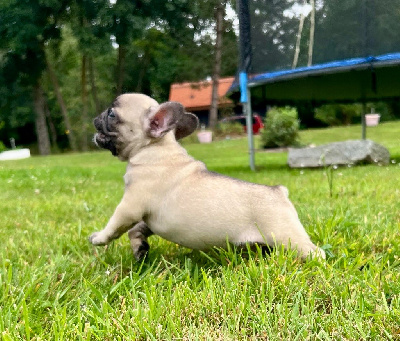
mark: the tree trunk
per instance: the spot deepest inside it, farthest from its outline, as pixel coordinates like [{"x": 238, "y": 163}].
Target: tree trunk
[
  {"x": 93, "y": 86},
  {"x": 63, "y": 107},
  {"x": 84, "y": 115},
  {"x": 142, "y": 73},
  {"x": 219, "y": 16},
  {"x": 42, "y": 132},
  {"x": 53, "y": 131},
  {"x": 312, "y": 31},
  {"x": 121, "y": 68},
  {"x": 297, "y": 49}
]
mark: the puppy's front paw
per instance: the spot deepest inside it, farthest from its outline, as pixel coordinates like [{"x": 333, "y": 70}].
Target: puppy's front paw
[
  {"x": 98, "y": 238},
  {"x": 319, "y": 253}
]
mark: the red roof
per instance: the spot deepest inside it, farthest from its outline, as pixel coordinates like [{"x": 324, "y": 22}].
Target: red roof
[{"x": 197, "y": 96}]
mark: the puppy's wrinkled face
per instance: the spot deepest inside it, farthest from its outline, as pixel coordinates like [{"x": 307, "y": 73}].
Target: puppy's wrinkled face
[
  {"x": 106, "y": 125},
  {"x": 136, "y": 120},
  {"x": 119, "y": 128}
]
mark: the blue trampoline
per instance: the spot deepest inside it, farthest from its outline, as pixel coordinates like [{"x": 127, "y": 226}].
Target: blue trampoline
[
  {"x": 350, "y": 80},
  {"x": 318, "y": 52}
]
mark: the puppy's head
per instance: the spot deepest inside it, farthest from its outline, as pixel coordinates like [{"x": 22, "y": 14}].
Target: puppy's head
[{"x": 136, "y": 120}]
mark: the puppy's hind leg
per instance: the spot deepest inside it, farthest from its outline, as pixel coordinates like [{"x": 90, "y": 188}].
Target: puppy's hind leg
[
  {"x": 286, "y": 229},
  {"x": 294, "y": 236},
  {"x": 138, "y": 237},
  {"x": 297, "y": 241},
  {"x": 307, "y": 249}
]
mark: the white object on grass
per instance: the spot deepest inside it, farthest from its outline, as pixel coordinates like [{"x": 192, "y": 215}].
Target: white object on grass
[{"x": 15, "y": 154}]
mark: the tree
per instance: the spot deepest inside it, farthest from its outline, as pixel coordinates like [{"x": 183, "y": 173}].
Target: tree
[
  {"x": 66, "y": 61},
  {"x": 273, "y": 34},
  {"x": 25, "y": 27},
  {"x": 219, "y": 22},
  {"x": 61, "y": 103},
  {"x": 220, "y": 46},
  {"x": 357, "y": 28},
  {"x": 298, "y": 39},
  {"x": 312, "y": 31},
  {"x": 128, "y": 23},
  {"x": 87, "y": 21},
  {"x": 45, "y": 43},
  {"x": 42, "y": 132}
]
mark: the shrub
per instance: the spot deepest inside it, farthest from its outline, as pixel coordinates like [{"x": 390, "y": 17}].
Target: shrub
[
  {"x": 339, "y": 114},
  {"x": 281, "y": 128},
  {"x": 2, "y": 147},
  {"x": 345, "y": 114},
  {"x": 224, "y": 129},
  {"x": 383, "y": 109},
  {"x": 192, "y": 138}
]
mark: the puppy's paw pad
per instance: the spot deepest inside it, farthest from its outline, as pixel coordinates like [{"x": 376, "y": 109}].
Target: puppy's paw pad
[
  {"x": 141, "y": 251},
  {"x": 97, "y": 238}
]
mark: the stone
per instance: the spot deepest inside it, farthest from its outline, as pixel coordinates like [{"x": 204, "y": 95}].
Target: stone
[{"x": 338, "y": 153}]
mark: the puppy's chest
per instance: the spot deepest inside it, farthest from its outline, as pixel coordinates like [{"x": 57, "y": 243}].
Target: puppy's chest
[
  {"x": 135, "y": 176},
  {"x": 127, "y": 180},
  {"x": 163, "y": 211}
]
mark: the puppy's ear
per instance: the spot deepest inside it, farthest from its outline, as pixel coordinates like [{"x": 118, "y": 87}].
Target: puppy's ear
[
  {"x": 186, "y": 125},
  {"x": 167, "y": 116},
  {"x": 161, "y": 119}
]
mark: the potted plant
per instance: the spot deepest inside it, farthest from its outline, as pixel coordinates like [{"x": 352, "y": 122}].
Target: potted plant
[
  {"x": 204, "y": 136},
  {"x": 372, "y": 119}
]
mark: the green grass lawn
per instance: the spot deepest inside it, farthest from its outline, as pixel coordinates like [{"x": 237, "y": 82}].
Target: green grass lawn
[{"x": 55, "y": 286}]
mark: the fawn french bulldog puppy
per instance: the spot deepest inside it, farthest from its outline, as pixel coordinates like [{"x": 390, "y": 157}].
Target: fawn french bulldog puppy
[{"x": 170, "y": 194}]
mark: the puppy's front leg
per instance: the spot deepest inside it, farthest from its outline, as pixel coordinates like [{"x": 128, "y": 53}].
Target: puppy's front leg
[
  {"x": 122, "y": 219},
  {"x": 138, "y": 236}
]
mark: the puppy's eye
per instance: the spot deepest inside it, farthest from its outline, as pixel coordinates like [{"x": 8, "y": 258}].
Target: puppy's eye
[{"x": 111, "y": 113}]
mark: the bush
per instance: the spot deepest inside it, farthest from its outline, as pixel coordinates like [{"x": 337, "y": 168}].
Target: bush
[
  {"x": 224, "y": 129},
  {"x": 384, "y": 109},
  {"x": 192, "y": 138},
  {"x": 281, "y": 128},
  {"x": 2, "y": 147},
  {"x": 346, "y": 114},
  {"x": 339, "y": 114}
]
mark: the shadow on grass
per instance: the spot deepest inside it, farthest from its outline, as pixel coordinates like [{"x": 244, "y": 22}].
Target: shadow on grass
[
  {"x": 234, "y": 169},
  {"x": 395, "y": 157},
  {"x": 166, "y": 259}
]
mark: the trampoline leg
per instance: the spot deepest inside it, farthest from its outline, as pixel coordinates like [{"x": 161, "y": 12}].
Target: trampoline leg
[{"x": 249, "y": 119}]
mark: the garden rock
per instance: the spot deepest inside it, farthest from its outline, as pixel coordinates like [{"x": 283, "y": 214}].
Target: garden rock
[{"x": 339, "y": 153}]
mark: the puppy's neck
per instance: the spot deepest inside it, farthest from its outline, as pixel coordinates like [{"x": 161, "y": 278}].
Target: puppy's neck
[{"x": 163, "y": 150}]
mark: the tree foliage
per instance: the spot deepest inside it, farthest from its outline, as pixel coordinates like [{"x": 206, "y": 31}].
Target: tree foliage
[
  {"x": 25, "y": 28},
  {"x": 82, "y": 53}
]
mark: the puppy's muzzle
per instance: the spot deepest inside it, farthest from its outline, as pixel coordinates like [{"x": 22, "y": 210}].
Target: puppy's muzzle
[{"x": 104, "y": 138}]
